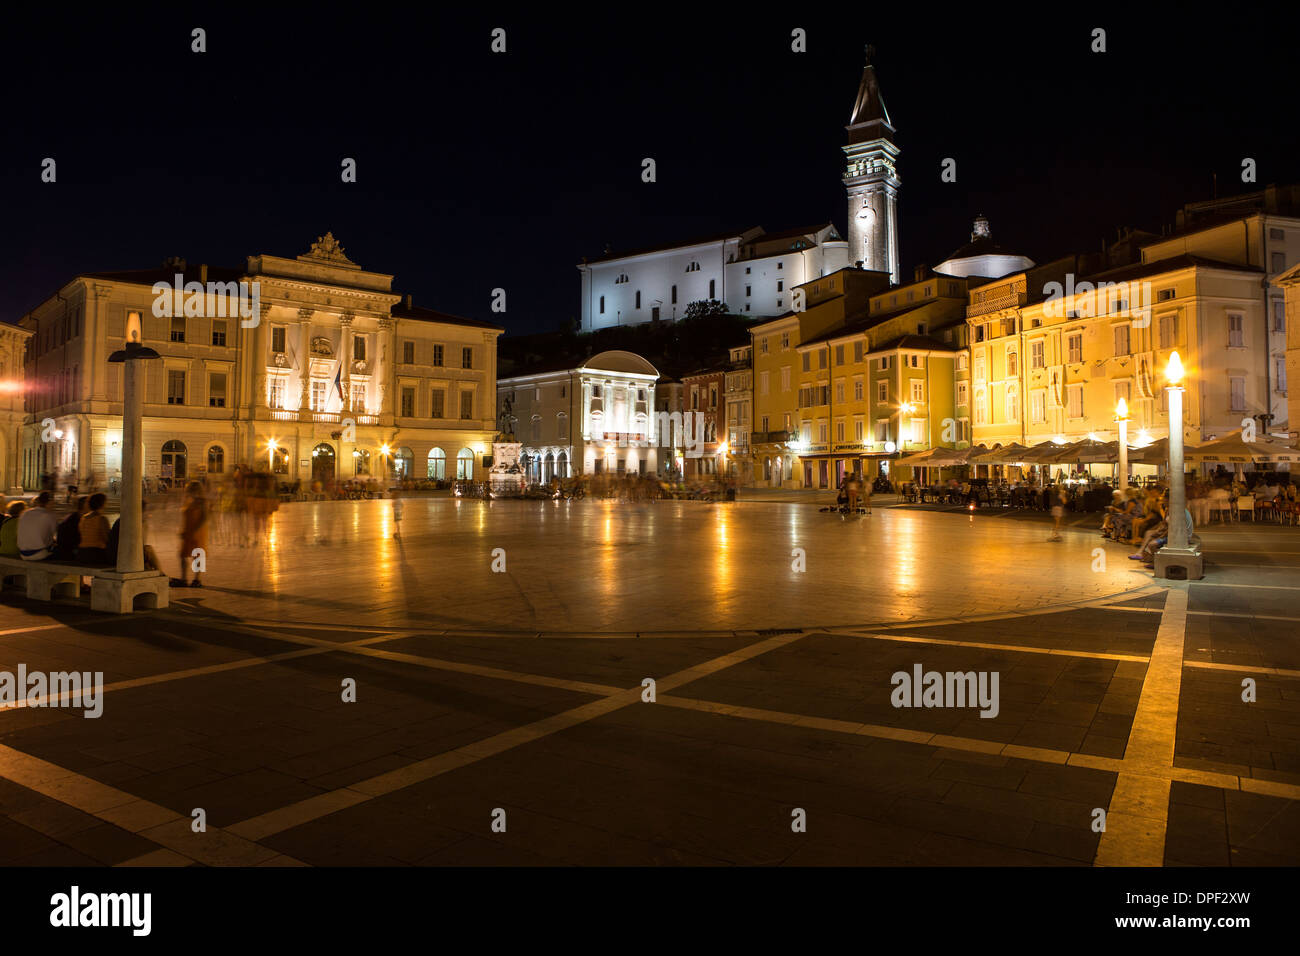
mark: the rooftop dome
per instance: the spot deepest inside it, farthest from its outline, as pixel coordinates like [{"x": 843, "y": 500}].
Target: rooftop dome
[
  {"x": 982, "y": 257},
  {"x": 619, "y": 361}
]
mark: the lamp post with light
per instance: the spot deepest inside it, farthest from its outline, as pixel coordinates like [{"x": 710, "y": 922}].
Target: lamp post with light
[
  {"x": 130, "y": 543},
  {"x": 1178, "y": 559},
  {"x": 1121, "y": 418}
]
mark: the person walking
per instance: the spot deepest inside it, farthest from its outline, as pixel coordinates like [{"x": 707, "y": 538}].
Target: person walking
[
  {"x": 855, "y": 491},
  {"x": 1058, "y": 512},
  {"x": 194, "y": 534},
  {"x": 397, "y": 513}
]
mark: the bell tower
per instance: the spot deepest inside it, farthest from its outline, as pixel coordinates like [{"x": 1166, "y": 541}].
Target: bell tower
[{"x": 871, "y": 179}]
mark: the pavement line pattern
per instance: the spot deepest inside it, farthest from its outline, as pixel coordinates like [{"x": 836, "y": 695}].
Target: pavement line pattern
[
  {"x": 1270, "y": 671},
  {"x": 881, "y": 732},
  {"x": 168, "y": 676},
  {"x": 1138, "y": 817},
  {"x": 168, "y": 829},
  {"x": 313, "y": 808},
  {"x": 40, "y": 627},
  {"x": 1056, "y": 652}
]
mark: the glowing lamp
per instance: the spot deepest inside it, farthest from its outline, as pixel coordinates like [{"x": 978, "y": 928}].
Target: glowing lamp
[
  {"x": 384, "y": 449},
  {"x": 1174, "y": 370},
  {"x": 133, "y": 327},
  {"x": 1121, "y": 411}
]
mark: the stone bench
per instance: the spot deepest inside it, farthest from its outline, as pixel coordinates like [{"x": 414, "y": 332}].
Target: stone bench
[{"x": 110, "y": 590}]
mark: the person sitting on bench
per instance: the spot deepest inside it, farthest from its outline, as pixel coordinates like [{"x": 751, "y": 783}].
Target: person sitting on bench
[
  {"x": 93, "y": 526},
  {"x": 36, "y": 528}
]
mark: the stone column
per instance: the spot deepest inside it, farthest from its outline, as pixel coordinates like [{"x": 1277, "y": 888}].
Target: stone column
[
  {"x": 304, "y": 358},
  {"x": 382, "y": 370},
  {"x": 258, "y": 354},
  {"x": 345, "y": 358}
]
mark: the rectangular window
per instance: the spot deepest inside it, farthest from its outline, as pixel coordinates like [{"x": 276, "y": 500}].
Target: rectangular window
[
  {"x": 175, "y": 387},
  {"x": 277, "y": 339},
  {"x": 882, "y": 392},
  {"x": 437, "y": 356},
  {"x": 219, "y": 334},
  {"x": 1121, "y": 340},
  {"x": 1237, "y": 394},
  {"x": 857, "y": 351},
  {"x": 275, "y": 398},
  {"x": 857, "y": 389},
  {"x": 918, "y": 391},
  {"x": 1074, "y": 346},
  {"x": 1013, "y": 406},
  {"x": 1037, "y": 412},
  {"x": 178, "y": 328},
  {"x": 674, "y": 302},
  {"x": 858, "y": 429},
  {"x": 762, "y": 345},
  {"x": 467, "y": 358},
  {"x": 1164, "y": 295},
  {"x": 963, "y": 393},
  {"x": 1236, "y": 330},
  {"x": 1279, "y": 373},
  {"x": 1278, "y": 260},
  {"x": 839, "y": 355},
  {"x": 358, "y": 348},
  {"x": 785, "y": 378},
  {"x": 1074, "y": 399},
  {"x": 839, "y": 391},
  {"x": 1036, "y": 358},
  {"x": 318, "y": 394},
  {"x": 884, "y": 362},
  {"x": 762, "y": 382},
  {"x": 408, "y": 352},
  {"x": 359, "y": 398},
  {"x": 1013, "y": 364},
  {"x": 217, "y": 390},
  {"x": 408, "y": 402},
  {"x": 821, "y": 358},
  {"x": 785, "y": 341},
  {"x": 839, "y": 431},
  {"x": 807, "y": 361},
  {"x": 466, "y": 404},
  {"x": 1279, "y": 315},
  {"x": 1169, "y": 330},
  {"x": 438, "y": 403}
]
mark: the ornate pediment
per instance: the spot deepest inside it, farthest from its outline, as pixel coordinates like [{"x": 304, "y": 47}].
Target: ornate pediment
[
  {"x": 322, "y": 347},
  {"x": 328, "y": 249}
]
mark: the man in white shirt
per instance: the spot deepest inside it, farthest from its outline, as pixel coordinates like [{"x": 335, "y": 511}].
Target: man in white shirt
[{"x": 36, "y": 529}]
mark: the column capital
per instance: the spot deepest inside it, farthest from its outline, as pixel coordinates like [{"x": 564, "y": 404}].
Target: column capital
[
  {"x": 345, "y": 319},
  {"x": 304, "y": 315}
]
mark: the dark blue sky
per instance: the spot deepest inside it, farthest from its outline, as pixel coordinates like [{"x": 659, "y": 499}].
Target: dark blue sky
[{"x": 479, "y": 170}]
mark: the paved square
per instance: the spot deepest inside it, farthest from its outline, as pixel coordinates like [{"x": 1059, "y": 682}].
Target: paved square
[{"x": 773, "y": 736}]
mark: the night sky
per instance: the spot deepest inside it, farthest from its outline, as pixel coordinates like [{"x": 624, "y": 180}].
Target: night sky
[{"x": 478, "y": 170}]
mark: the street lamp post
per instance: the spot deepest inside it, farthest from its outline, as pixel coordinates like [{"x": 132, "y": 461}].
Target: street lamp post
[
  {"x": 1121, "y": 418},
  {"x": 130, "y": 542},
  {"x": 1178, "y": 559}
]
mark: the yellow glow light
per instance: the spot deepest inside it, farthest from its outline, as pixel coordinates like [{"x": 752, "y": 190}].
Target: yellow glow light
[
  {"x": 1121, "y": 411},
  {"x": 384, "y": 449},
  {"x": 1174, "y": 370},
  {"x": 272, "y": 444}
]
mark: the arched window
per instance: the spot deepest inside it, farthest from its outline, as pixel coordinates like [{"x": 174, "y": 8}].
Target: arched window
[
  {"x": 535, "y": 428},
  {"x": 403, "y": 463},
  {"x": 173, "y": 460},
  {"x": 216, "y": 460},
  {"x": 465, "y": 464},
  {"x": 562, "y": 426},
  {"x": 437, "y": 464}
]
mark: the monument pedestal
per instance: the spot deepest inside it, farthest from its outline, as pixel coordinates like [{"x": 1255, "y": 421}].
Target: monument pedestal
[
  {"x": 1181, "y": 564},
  {"x": 507, "y": 478}
]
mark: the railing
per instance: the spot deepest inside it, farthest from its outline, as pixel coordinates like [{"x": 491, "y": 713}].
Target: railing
[
  {"x": 771, "y": 438},
  {"x": 1010, "y": 300}
]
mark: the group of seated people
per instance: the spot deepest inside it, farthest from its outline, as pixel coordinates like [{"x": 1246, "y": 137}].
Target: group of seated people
[
  {"x": 1141, "y": 518},
  {"x": 36, "y": 534}
]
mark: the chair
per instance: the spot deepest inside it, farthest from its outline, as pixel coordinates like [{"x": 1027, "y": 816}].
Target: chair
[
  {"x": 1220, "y": 504},
  {"x": 1246, "y": 504}
]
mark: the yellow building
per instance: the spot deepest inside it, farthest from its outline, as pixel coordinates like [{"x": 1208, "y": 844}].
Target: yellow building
[
  {"x": 1289, "y": 283},
  {"x": 1052, "y": 357},
  {"x": 821, "y": 305}
]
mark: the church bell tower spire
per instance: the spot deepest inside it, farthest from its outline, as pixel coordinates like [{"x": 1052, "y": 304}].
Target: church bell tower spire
[{"x": 871, "y": 179}]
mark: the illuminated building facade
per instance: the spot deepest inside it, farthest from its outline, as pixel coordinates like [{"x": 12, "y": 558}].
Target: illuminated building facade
[{"x": 333, "y": 375}]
